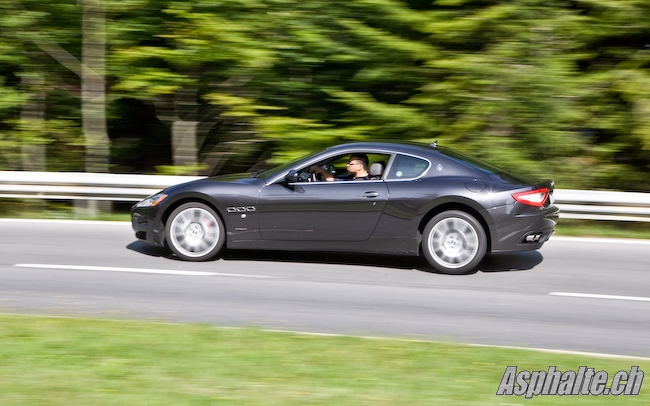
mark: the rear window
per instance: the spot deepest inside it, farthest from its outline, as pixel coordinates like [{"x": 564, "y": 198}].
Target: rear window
[
  {"x": 476, "y": 162},
  {"x": 407, "y": 167}
]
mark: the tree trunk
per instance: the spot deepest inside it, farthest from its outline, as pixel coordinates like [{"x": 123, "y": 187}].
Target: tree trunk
[
  {"x": 93, "y": 96},
  {"x": 32, "y": 115},
  {"x": 93, "y": 92},
  {"x": 184, "y": 148}
]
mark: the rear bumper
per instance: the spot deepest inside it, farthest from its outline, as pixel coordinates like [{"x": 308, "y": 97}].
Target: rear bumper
[{"x": 526, "y": 231}]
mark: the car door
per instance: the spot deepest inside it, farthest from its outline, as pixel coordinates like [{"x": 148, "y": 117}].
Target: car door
[{"x": 323, "y": 211}]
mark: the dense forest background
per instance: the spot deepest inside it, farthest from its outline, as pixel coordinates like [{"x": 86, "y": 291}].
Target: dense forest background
[{"x": 551, "y": 88}]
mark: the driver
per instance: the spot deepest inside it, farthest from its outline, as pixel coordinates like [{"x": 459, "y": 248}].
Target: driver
[{"x": 357, "y": 166}]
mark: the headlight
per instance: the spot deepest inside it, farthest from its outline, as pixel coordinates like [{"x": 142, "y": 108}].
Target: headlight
[{"x": 152, "y": 201}]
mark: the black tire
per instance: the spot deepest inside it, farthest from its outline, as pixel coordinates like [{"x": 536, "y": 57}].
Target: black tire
[
  {"x": 454, "y": 242},
  {"x": 195, "y": 232}
]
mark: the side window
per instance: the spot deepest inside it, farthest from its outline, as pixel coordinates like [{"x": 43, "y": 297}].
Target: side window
[
  {"x": 407, "y": 167},
  {"x": 337, "y": 166}
]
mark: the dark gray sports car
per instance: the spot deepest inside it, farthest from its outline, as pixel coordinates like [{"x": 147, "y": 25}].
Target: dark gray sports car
[{"x": 414, "y": 199}]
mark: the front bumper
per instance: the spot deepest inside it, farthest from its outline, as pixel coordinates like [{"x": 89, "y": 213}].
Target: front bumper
[{"x": 146, "y": 226}]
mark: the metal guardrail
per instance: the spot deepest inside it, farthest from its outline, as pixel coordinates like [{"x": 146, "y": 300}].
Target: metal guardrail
[
  {"x": 84, "y": 186},
  {"x": 603, "y": 205},
  {"x": 574, "y": 204}
]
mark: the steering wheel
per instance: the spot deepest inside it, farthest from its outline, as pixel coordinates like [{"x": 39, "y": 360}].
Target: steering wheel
[{"x": 313, "y": 177}]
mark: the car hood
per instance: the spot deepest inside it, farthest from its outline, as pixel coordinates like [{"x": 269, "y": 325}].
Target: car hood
[
  {"x": 232, "y": 178},
  {"x": 240, "y": 178}
]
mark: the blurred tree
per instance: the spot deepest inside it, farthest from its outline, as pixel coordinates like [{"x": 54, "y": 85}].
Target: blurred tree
[
  {"x": 93, "y": 87},
  {"x": 303, "y": 75},
  {"x": 37, "y": 30},
  {"x": 26, "y": 91},
  {"x": 505, "y": 85},
  {"x": 190, "y": 52},
  {"x": 338, "y": 75},
  {"x": 616, "y": 81},
  {"x": 553, "y": 87}
]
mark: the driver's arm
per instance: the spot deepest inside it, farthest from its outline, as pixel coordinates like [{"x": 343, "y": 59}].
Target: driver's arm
[{"x": 322, "y": 172}]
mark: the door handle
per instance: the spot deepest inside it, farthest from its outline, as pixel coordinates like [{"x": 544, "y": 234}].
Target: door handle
[{"x": 370, "y": 194}]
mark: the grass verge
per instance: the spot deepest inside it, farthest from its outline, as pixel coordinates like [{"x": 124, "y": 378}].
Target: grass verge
[
  {"x": 36, "y": 209},
  {"x": 61, "y": 361},
  {"x": 609, "y": 229}
]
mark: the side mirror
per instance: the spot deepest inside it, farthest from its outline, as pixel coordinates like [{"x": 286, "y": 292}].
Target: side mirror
[{"x": 291, "y": 177}]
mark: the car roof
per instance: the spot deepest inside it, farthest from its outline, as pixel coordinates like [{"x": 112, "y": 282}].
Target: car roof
[
  {"x": 472, "y": 166},
  {"x": 403, "y": 147}
]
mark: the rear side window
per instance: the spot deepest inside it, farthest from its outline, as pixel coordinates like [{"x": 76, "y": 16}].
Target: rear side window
[{"x": 407, "y": 167}]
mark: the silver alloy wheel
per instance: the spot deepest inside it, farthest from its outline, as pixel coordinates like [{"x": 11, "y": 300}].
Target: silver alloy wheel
[
  {"x": 453, "y": 242},
  {"x": 194, "y": 232}
]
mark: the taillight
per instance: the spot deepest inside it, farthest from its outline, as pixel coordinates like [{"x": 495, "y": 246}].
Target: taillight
[{"x": 534, "y": 198}]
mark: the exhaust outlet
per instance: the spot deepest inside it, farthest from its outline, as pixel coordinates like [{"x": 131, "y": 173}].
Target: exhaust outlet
[{"x": 533, "y": 238}]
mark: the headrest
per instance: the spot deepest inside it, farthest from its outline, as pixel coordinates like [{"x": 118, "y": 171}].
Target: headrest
[{"x": 376, "y": 169}]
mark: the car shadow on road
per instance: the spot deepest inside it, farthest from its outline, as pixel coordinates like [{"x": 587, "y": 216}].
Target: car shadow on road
[
  {"x": 510, "y": 262},
  {"x": 150, "y": 250},
  {"x": 335, "y": 258},
  {"x": 518, "y": 261}
]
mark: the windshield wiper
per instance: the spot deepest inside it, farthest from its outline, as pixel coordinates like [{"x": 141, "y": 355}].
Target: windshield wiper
[{"x": 257, "y": 173}]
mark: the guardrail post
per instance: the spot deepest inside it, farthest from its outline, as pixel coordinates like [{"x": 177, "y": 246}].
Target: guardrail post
[{"x": 91, "y": 208}]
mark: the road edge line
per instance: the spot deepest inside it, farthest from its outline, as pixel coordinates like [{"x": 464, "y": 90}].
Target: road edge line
[{"x": 415, "y": 340}]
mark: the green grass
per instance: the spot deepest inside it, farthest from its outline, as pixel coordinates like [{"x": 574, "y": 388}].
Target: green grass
[
  {"x": 64, "y": 215},
  {"x": 610, "y": 229},
  {"x": 65, "y": 361},
  {"x": 35, "y": 209}
]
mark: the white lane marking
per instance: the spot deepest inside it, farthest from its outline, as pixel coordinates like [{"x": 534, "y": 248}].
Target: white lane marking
[
  {"x": 565, "y": 352},
  {"x": 135, "y": 270},
  {"x": 593, "y": 296},
  {"x": 510, "y": 347},
  {"x": 67, "y": 221}
]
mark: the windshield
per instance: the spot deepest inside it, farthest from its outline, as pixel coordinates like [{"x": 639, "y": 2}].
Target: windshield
[{"x": 283, "y": 167}]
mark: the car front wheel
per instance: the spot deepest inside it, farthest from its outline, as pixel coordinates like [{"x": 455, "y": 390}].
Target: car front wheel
[
  {"x": 195, "y": 232},
  {"x": 454, "y": 242}
]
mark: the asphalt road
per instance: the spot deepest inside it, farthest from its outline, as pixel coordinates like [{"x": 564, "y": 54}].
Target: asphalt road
[{"x": 574, "y": 294}]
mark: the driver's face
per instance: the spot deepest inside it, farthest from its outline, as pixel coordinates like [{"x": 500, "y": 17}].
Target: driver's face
[{"x": 354, "y": 164}]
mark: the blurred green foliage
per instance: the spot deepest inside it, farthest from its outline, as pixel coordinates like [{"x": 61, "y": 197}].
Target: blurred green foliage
[{"x": 549, "y": 88}]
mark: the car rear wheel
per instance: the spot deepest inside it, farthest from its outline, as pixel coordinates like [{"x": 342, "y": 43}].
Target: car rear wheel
[
  {"x": 454, "y": 242},
  {"x": 195, "y": 232}
]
